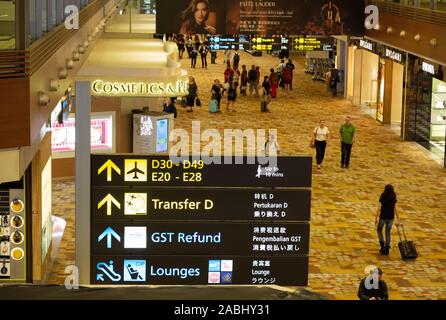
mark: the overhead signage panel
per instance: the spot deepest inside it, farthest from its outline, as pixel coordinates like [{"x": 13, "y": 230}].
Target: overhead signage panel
[
  {"x": 142, "y": 204},
  {"x": 110, "y": 170},
  {"x": 200, "y": 238},
  {"x": 200, "y": 270}
]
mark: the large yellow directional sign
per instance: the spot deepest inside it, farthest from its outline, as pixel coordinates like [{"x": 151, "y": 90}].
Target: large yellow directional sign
[
  {"x": 135, "y": 204},
  {"x": 135, "y": 170},
  {"x": 109, "y": 166},
  {"x": 109, "y": 200}
]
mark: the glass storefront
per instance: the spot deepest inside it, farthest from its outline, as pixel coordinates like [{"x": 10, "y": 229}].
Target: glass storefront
[
  {"x": 134, "y": 16},
  {"x": 7, "y": 25},
  {"x": 426, "y": 106},
  {"x": 426, "y": 4}
]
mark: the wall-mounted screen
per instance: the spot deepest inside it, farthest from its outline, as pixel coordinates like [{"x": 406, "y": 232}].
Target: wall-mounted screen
[{"x": 162, "y": 135}]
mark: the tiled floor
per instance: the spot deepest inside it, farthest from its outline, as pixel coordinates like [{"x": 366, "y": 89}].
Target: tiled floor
[{"x": 343, "y": 239}]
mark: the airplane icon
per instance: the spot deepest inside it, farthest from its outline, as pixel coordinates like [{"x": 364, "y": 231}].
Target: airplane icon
[{"x": 136, "y": 171}]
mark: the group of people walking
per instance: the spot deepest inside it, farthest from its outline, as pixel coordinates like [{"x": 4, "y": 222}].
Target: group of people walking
[{"x": 319, "y": 142}]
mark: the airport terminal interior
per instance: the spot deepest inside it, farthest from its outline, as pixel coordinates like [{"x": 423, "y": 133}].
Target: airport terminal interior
[{"x": 386, "y": 81}]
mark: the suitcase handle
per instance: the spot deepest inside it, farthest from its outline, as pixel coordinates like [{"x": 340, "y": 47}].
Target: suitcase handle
[{"x": 404, "y": 233}]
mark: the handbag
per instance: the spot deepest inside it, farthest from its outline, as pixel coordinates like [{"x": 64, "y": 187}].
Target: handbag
[
  {"x": 313, "y": 139},
  {"x": 197, "y": 102}
]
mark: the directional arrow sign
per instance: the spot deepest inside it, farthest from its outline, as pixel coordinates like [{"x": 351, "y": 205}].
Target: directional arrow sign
[
  {"x": 109, "y": 233},
  {"x": 100, "y": 277},
  {"x": 109, "y": 165},
  {"x": 109, "y": 200}
]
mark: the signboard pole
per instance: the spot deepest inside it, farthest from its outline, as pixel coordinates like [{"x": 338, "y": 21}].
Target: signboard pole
[{"x": 82, "y": 159}]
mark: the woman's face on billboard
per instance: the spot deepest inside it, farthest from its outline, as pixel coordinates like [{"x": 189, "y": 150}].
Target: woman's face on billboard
[{"x": 200, "y": 13}]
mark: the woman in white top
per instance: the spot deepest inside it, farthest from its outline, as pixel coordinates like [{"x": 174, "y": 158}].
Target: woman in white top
[
  {"x": 272, "y": 147},
  {"x": 320, "y": 139}
]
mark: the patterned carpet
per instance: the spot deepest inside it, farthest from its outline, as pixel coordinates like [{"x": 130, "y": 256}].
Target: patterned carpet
[{"x": 343, "y": 237}]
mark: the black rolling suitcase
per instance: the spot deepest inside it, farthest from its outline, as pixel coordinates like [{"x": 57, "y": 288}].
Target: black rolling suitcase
[{"x": 407, "y": 248}]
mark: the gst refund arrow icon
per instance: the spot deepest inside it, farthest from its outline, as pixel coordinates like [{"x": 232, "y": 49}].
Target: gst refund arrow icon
[
  {"x": 109, "y": 233},
  {"x": 109, "y": 165},
  {"x": 109, "y": 200}
]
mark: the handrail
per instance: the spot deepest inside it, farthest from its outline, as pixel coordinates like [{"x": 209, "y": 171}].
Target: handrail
[
  {"x": 24, "y": 63},
  {"x": 14, "y": 64},
  {"x": 414, "y": 13}
]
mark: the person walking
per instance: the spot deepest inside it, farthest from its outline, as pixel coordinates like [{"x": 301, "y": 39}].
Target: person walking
[
  {"x": 228, "y": 74},
  {"x": 334, "y": 80},
  {"x": 193, "y": 94},
  {"x": 193, "y": 57},
  {"x": 385, "y": 216},
  {"x": 236, "y": 76},
  {"x": 216, "y": 92},
  {"x": 180, "y": 44},
  {"x": 253, "y": 82},
  {"x": 236, "y": 59},
  {"x": 320, "y": 140},
  {"x": 290, "y": 64},
  {"x": 266, "y": 98},
  {"x": 213, "y": 55},
  {"x": 373, "y": 287},
  {"x": 203, "y": 50},
  {"x": 274, "y": 82},
  {"x": 272, "y": 147},
  {"x": 244, "y": 81},
  {"x": 231, "y": 88},
  {"x": 347, "y": 137},
  {"x": 287, "y": 78},
  {"x": 279, "y": 70},
  {"x": 227, "y": 57}
]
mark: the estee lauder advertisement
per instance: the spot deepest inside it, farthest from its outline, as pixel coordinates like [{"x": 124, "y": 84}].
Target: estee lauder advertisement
[
  {"x": 298, "y": 17},
  {"x": 262, "y": 17}
]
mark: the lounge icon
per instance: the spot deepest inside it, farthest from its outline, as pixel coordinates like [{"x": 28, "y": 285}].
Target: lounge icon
[{"x": 135, "y": 270}]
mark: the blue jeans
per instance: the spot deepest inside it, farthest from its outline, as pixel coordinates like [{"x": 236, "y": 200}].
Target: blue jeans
[{"x": 388, "y": 224}]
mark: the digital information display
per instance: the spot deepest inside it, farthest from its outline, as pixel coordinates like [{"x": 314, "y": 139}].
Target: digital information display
[
  {"x": 292, "y": 43},
  {"x": 312, "y": 44},
  {"x": 114, "y": 170},
  {"x": 224, "y": 43},
  {"x": 143, "y": 204},
  {"x": 199, "y": 270},
  {"x": 155, "y": 221}
]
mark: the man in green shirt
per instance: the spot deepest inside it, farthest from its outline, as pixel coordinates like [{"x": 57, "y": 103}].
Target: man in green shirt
[{"x": 347, "y": 137}]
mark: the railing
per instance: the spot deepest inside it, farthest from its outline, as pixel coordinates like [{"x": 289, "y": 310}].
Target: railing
[
  {"x": 413, "y": 13},
  {"x": 25, "y": 63},
  {"x": 14, "y": 64}
]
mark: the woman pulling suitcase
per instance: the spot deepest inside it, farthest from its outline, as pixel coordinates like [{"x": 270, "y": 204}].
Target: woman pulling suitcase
[{"x": 385, "y": 216}]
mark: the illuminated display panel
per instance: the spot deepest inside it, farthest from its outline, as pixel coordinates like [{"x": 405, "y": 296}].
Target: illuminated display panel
[
  {"x": 64, "y": 136},
  {"x": 250, "y": 227}
]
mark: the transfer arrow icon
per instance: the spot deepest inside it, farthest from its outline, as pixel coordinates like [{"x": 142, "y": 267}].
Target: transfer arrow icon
[
  {"x": 109, "y": 165},
  {"x": 109, "y": 233},
  {"x": 109, "y": 200}
]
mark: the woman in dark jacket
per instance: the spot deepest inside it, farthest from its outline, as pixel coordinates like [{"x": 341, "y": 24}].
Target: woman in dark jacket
[
  {"x": 193, "y": 94},
  {"x": 385, "y": 216}
]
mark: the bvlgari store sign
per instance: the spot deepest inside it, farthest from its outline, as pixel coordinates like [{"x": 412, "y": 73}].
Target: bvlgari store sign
[{"x": 140, "y": 89}]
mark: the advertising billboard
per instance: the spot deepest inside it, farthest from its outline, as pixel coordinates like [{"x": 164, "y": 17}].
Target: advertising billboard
[{"x": 262, "y": 17}]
